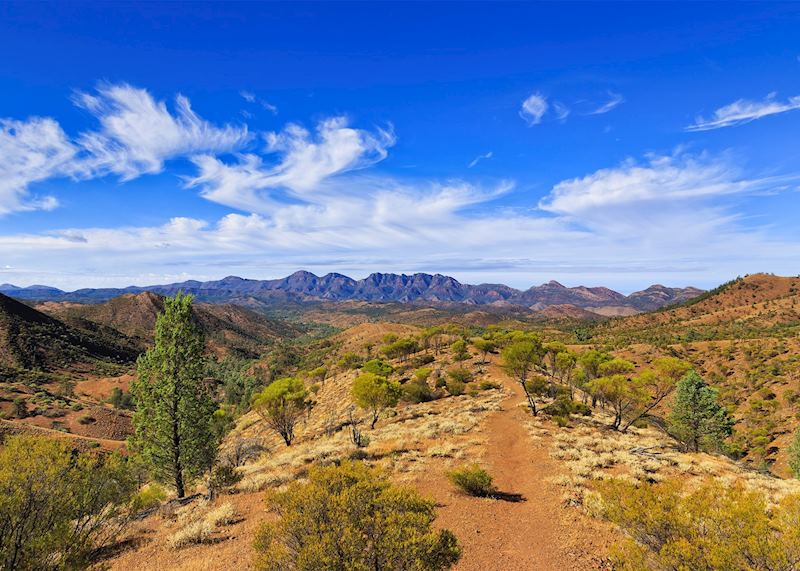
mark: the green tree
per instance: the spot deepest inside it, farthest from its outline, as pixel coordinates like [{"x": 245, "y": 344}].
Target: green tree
[
  {"x": 400, "y": 349},
  {"x": 174, "y": 403},
  {"x": 374, "y": 394},
  {"x": 565, "y": 366},
  {"x": 519, "y": 360},
  {"x": 281, "y": 405},
  {"x": 319, "y": 374},
  {"x": 57, "y": 505},
  {"x": 378, "y": 367},
  {"x": 620, "y": 393},
  {"x": 697, "y": 419},
  {"x": 459, "y": 350},
  {"x": 351, "y": 518},
  {"x": 656, "y": 384}
]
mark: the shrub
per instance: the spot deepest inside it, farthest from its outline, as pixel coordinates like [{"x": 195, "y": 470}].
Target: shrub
[
  {"x": 352, "y": 517},
  {"x": 57, "y": 505},
  {"x": 223, "y": 515},
  {"x": 460, "y": 374},
  {"x": 417, "y": 392},
  {"x": 86, "y": 419},
  {"x": 488, "y": 385},
  {"x": 148, "y": 497},
  {"x": 422, "y": 374},
  {"x": 194, "y": 533},
  {"x": 377, "y": 367},
  {"x": 350, "y": 361},
  {"x": 472, "y": 480},
  {"x": 422, "y": 360},
  {"x": 120, "y": 399},
  {"x": 455, "y": 387},
  {"x": 714, "y": 527}
]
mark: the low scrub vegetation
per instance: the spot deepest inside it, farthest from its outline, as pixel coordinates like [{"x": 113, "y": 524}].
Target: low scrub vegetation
[
  {"x": 351, "y": 517},
  {"x": 715, "y": 527},
  {"x": 472, "y": 480},
  {"x": 56, "y": 505}
]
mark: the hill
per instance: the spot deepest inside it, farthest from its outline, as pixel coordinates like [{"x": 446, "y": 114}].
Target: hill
[
  {"x": 743, "y": 338},
  {"x": 228, "y": 328},
  {"x": 305, "y": 287},
  {"x": 30, "y": 339}
]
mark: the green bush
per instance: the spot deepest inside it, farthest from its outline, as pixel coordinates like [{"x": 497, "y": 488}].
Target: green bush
[
  {"x": 377, "y": 367},
  {"x": 472, "y": 480},
  {"x": 86, "y": 419},
  {"x": 716, "y": 527},
  {"x": 350, "y": 517},
  {"x": 455, "y": 387},
  {"x": 488, "y": 385},
  {"x": 417, "y": 392},
  {"x": 148, "y": 497},
  {"x": 58, "y": 506}
]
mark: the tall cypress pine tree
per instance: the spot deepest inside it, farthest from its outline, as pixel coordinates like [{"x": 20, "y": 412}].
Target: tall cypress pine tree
[
  {"x": 174, "y": 405},
  {"x": 697, "y": 419}
]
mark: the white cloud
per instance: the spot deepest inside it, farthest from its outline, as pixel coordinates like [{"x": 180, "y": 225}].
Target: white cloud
[
  {"x": 305, "y": 161},
  {"x": 665, "y": 178},
  {"x": 615, "y": 100},
  {"x": 743, "y": 111},
  {"x": 480, "y": 158},
  {"x": 666, "y": 218},
  {"x": 138, "y": 133},
  {"x": 251, "y": 97},
  {"x": 534, "y": 108},
  {"x": 561, "y": 110},
  {"x": 31, "y": 151}
]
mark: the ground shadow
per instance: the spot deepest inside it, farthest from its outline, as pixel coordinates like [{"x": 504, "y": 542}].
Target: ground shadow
[{"x": 508, "y": 497}]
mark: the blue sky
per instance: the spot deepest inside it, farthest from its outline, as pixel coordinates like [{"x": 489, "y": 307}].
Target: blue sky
[{"x": 593, "y": 143}]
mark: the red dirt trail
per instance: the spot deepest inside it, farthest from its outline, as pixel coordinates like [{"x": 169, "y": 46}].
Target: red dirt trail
[{"x": 536, "y": 533}]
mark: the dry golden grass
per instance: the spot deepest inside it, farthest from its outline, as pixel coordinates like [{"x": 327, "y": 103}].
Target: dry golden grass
[{"x": 591, "y": 452}]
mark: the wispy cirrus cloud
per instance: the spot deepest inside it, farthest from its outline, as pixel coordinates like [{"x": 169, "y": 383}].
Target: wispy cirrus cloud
[
  {"x": 744, "y": 111},
  {"x": 31, "y": 151},
  {"x": 305, "y": 161},
  {"x": 251, "y": 97},
  {"x": 480, "y": 158},
  {"x": 614, "y": 101},
  {"x": 139, "y": 133}
]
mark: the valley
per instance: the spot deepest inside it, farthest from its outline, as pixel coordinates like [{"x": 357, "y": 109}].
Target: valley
[{"x": 68, "y": 367}]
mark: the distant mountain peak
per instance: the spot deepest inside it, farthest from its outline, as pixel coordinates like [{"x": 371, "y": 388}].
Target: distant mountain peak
[{"x": 304, "y": 286}]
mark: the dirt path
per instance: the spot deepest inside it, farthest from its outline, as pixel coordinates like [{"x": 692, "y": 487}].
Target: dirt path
[{"x": 533, "y": 532}]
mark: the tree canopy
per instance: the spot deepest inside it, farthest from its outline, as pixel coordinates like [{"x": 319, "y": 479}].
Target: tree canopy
[{"x": 281, "y": 405}]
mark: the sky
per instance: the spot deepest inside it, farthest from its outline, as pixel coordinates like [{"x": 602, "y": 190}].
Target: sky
[{"x": 591, "y": 143}]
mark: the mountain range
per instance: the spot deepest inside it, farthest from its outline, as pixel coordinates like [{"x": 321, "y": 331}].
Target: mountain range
[{"x": 302, "y": 287}]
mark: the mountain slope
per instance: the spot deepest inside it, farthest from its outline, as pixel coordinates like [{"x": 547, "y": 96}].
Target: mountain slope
[
  {"x": 29, "y": 339},
  {"x": 227, "y": 327},
  {"x": 379, "y": 287},
  {"x": 744, "y": 339}
]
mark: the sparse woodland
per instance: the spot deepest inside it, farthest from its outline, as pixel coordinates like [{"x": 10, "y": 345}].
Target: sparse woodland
[{"x": 665, "y": 441}]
